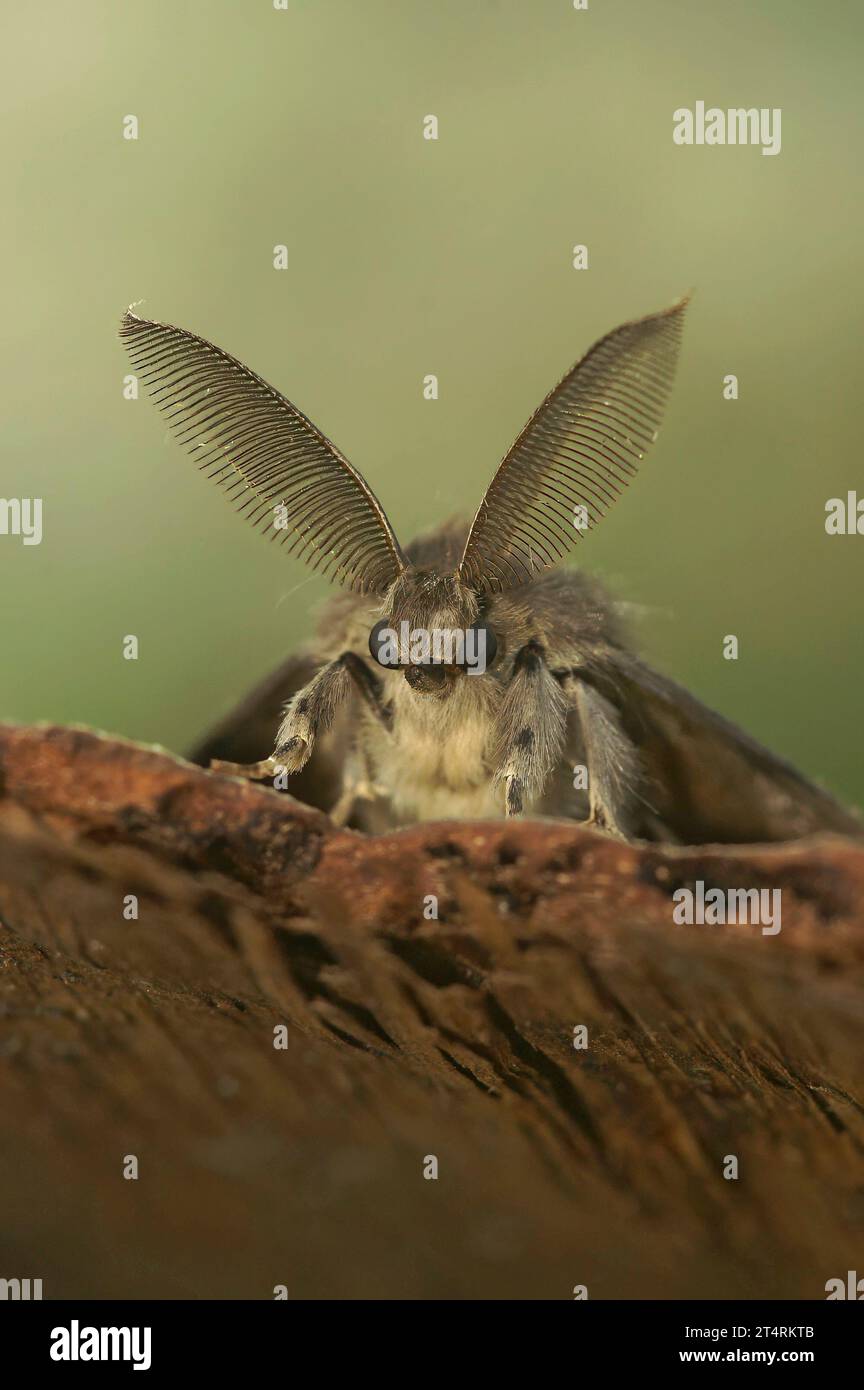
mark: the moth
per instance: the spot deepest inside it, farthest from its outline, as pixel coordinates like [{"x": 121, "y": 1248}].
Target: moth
[{"x": 466, "y": 676}]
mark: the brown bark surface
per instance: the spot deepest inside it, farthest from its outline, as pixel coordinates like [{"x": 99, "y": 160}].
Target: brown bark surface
[{"x": 407, "y": 1038}]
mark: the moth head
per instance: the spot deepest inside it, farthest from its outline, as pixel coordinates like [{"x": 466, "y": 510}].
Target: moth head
[{"x": 433, "y": 631}]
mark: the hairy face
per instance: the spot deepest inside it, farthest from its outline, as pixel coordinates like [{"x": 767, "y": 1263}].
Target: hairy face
[{"x": 432, "y": 630}]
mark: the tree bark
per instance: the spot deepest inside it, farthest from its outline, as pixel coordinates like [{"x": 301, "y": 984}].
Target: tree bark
[{"x": 409, "y": 1038}]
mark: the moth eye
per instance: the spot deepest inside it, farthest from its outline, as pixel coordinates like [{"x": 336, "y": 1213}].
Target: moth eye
[
  {"x": 384, "y": 644},
  {"x": 481, "y": 640}
]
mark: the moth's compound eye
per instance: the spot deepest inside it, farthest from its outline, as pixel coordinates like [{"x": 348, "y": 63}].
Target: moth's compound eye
[
  {"x": 384, "y": 644},
  {"x": 481, "y": 645}
]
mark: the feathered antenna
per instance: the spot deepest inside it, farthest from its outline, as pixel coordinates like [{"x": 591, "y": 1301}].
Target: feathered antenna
[
  {"x": 265, "y": 453},
  {"x": 580, "y": 448}
]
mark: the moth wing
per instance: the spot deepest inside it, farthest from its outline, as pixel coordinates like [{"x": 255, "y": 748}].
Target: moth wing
[
  {"x": 709, "y": 781},
  {"x": 246, "y": 734}
]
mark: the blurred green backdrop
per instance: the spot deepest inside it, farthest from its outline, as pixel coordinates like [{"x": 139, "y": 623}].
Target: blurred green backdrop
[{"x": 409, "y": 257}]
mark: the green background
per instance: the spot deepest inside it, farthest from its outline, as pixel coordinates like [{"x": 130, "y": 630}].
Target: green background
[{"x": 408, "y": 257}]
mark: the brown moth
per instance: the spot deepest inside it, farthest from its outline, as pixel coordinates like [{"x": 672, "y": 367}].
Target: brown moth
[{"x": 464, "y": 675}]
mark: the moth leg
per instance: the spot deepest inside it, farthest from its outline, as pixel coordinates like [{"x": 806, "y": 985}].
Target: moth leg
[
  {"x": 307, "y": 714},
  {"x": 530, "y": 730},
  {"x": 612, "y": 760},
  {"x": 340, "y": 814},
  {"x": 310, "y": 713},
  {"x": 311, "y": 710},
  {"x": 358, "y": 785},
  {"x": 358, "y": 781},
  {"x": 251, "y": 771},
  {"x": 369, "y": 687}
]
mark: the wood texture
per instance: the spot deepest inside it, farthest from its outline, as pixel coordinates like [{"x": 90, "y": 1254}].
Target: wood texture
[{"x": 409, "y": 1037}]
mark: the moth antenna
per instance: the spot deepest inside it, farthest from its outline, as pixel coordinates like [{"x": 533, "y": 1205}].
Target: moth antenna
[
  {"x": 580, "y": 448},
  {"x": 266, "y": 454}
]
